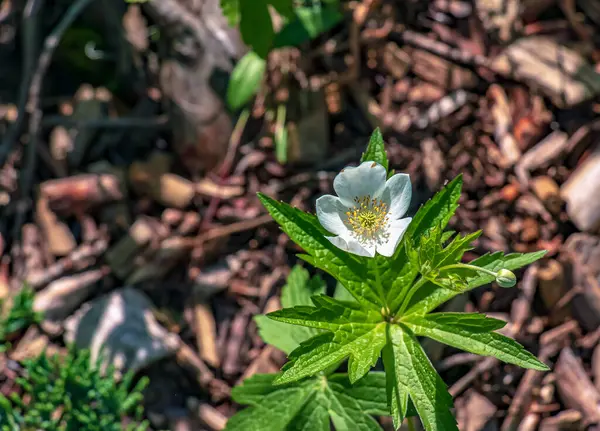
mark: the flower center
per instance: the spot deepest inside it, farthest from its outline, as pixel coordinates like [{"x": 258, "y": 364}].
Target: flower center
[{"x": 368, "y": 219}]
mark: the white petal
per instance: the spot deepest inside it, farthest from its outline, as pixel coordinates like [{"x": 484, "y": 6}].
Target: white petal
[
  {"x": 352, "y": 246},
  {"x": 396, "y": 231},
  {"x": 398, "y": 193},
  {"x": 366, "y": 179},
  {"x": 329, "y": 212}
]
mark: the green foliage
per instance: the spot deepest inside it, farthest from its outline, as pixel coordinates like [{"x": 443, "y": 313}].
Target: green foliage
[
  {"x": 17, "y": 314},
  {"x": 392, "y": 303},
  {"x": 308, "y": 24},
  {"x": 297, "y": 291},
  {"x": 310, "y": 403},
  {"x": 376, "y": 150},
  {"x": 254, "y": 19},
  {"x": 300, "y": 24},
  {"x": 70, "y": 393},
  {"x": 245, "y": 80}
]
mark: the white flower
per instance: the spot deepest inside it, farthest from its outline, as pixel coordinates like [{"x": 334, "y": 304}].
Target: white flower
[{"x": 366, "y": 217}]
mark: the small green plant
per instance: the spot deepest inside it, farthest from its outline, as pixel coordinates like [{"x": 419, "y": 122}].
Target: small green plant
[
  {"x": 17, "y": 314},
  {"x": 70, "y": 393},
  {"x": 301, "y": 23},
  {"x": 398, "y": 271},
  {"x": 313, "y": 402}
]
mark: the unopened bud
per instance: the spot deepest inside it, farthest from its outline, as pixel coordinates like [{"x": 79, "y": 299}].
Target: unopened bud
[{"x": 506, "y": 278}]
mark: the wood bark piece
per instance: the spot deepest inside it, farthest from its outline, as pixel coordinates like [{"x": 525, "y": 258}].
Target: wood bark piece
[
  {"x": 561, "y": 73},
  {"x": 159, "y": 262},
  {"x": 202, "y": 39},
  {"x": 59, "y": 238},
  {"x": 206, "y": 333},
  {"x": 307, "y": 126},
  {"x": 145, "y": 232},
  {"x": 552, "y": 287},
  {"x": 237, "y": 335},
  {"x": 209, "y": 416},
  {"x": 441, "y": 72},
  {"x": 551, "y": 341},
  {"x": 80, "y": 193},
  {"x": 63, "y": 296},
  {"x": 547, "y": 191},
  {"x": 189, "y": 360},
  {"x": 543, "y": 153},
  {"x": 213, "y": 279},
  {"x": 206, "y": 187},
  {"x": 123, "y": 324},
  {"x": 596, "y": 366},
  {"x": 263, "y": 364},
  {"x": 396, "y": 60},
  {"x": 433, "y": 163},
  {"x": 31, "y": 345},
  {"x": 151, "y": 178},
  {"x": 581, "y": 256},
  {"x": 474, "y": 411},
  {"x": 501, "y": 112},
  {"x": 581, "y": 193},
  {"x": 499, "y": 17},
  {"x": 60, "y": 144},
  {"x": 567, "y": 420},
  {"x": 81, "y": 258},
  {"x": 575, "y": 388},
  {"x": 442, "y": 109},
  {"x": 115, "y": 214},
  {"x": 90, "y": 104}
]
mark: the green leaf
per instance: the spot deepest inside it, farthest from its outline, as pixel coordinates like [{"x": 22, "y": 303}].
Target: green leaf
[
  {"x": 297, "y": 291},
  {"x": 245, "y": 80},
  {"x": 430, "y": 296},
  {"x": 300, "y": 288},
  {"x": 285, "y": 8},
  {"x": 398, "y": 273},
  {"x": 281, "y": 135},
  {"x": 342, "y": 293},
  {"x": 329, "y": 314},
  {"x": 306, "y": 231},
  {"x": 396, "y": 390},
  {"x": 308, "y": 23},
  {"x": 231, "y": 11},
  {"x": 354, "y": 333},
  {"x": 471, "y": 332},
  {"x": 361, "y": 342},
  {"x": 313, "y": 404},
  {"x": 436, "y": 212},
  {"x": 415, "y": 374},
  {"x": 369, "y": 391},
  {"x": 454, "y": 251},
  {"x": 376, "y": 150},
  {"x": 256, "y": 26},
  {"x": 273, "y": 407}
]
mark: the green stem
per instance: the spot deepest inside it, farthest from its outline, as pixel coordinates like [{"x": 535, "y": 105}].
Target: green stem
[
  {"x": 467, "y": 266},
  {"x": 411, "y": 424},
  {"x": 411, "y": 293},
  {"x": 378, "y": 284}
]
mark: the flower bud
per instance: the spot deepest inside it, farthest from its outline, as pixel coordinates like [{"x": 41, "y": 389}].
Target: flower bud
[{"x": 506, "y": 278}]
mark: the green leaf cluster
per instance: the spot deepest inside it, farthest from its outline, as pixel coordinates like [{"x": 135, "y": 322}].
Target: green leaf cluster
[
  {"x": 70, "y": 393},
  {"x": 301, "y": 23},
  {"x": 393, "y": 303},
  {"x": 311, "y": 403},
  {"x": 17, "y": 314}
]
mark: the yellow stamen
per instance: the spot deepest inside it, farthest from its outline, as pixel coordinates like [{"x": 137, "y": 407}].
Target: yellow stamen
[{"x": 368, "y": 219}]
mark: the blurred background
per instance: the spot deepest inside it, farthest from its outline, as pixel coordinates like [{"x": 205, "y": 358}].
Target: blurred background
[{"x": 134, "y": 137}]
